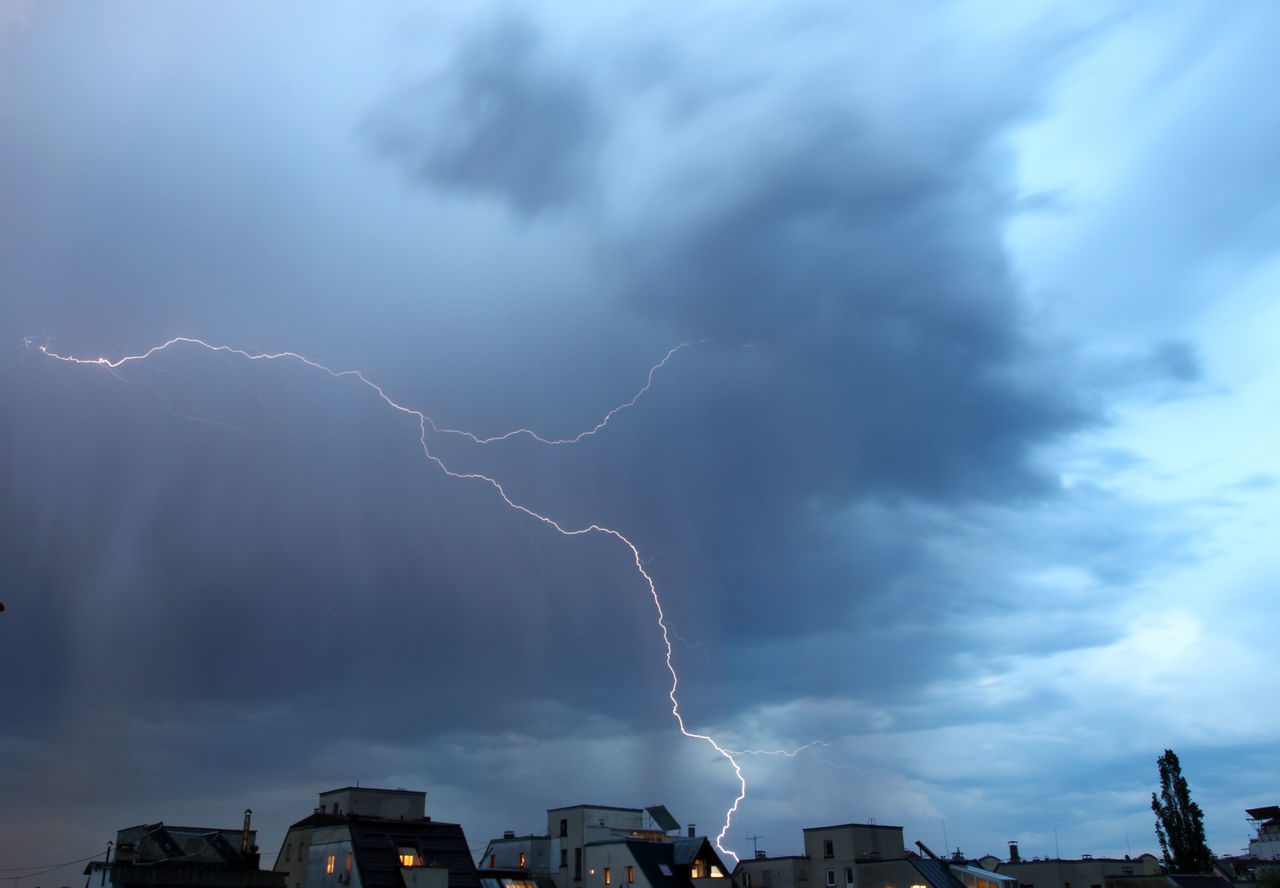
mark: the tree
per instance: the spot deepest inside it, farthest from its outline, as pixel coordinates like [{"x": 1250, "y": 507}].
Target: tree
[{"x": 1179, "y": 821}]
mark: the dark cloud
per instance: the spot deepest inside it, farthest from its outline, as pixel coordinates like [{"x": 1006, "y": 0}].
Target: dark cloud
[
  {"x": 502, "y": 118},
  {"x": 844, "y": 486}
]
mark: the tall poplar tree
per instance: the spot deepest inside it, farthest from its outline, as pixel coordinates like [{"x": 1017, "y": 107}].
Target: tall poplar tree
[{"x": 1179, "y": 821}]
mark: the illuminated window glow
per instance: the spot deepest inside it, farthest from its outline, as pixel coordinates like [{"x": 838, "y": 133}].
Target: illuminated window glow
[
  {"x": 522, "y": 858},
  {"x": 608, "y": 877},
  {"x": 631, "y": 874},
  {"x": 408, "y": 856},
  {"x": 328, "y": 864}
]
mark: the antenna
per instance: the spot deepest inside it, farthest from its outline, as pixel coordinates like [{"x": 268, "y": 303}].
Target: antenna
[{"x": 754, "y": 850}]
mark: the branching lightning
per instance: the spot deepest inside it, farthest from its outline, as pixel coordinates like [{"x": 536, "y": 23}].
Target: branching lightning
[
  {"x": 425, "y": 422},
  {"x": 578, "y": 437},
  {"x": 786, "y": 753}
]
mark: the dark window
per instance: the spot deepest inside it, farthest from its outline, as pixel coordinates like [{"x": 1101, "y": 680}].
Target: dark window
[
  {"x": 564, "y": 858},
  {"x": 828, "y": 849},
  {"x": 564, "y": 827},
  {"x": 831, "y": 879},
  {"x": 577, "y": 864},
  {"x": 848, "y": 875}
]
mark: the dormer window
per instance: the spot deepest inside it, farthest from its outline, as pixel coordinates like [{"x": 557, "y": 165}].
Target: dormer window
[{"x": 408, "y": 856}]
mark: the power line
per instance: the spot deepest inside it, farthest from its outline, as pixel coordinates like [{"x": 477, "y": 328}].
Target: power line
[{"x": 47, "y": 866}]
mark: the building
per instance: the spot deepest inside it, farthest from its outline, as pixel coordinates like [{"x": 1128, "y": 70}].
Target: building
[
  {"x": 861, "y": 855},
  {"x": 1168, "y": 880},
  {"x": 1086, "y": 872},
  {"x": 600, "y": 846},
  {"x": 1265, "y": 844},
  {"x": 1261, "y": 861},
  {"x": 157, "y": 855},
  {"x": 764, "y": 871},
  {"x": 359, "y": 837},
  {"x": 837, "y": 850}
]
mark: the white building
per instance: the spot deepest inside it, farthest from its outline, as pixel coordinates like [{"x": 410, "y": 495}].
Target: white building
[{"x": 375, "y": 838}]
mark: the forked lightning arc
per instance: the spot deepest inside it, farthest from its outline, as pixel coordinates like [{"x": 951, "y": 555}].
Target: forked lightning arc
[{"x": 424, "y": 422}]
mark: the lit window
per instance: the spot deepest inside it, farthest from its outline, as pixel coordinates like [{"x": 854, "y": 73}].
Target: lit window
[
  {"x": 631, "y": 874},
  {"x": 328, "y": 864},
  {"x": 699, "y": 870},
  {"x": 348, "y": 861},
  {"x": 493, "y": 861},
  {"x": 408, "y": 856},
  {"x": 522, "y": 858},
  {"x": 716, "y": 872},
  {"x": 608, "y": 877}
]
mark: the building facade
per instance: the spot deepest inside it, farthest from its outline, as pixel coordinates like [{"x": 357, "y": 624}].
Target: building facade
[{"x": 359, "y": 837}]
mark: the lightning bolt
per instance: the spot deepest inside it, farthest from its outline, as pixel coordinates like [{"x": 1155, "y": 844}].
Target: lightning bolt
[
  {"x": 787, "y": 753},
  {"x": 425, "y": 423}
]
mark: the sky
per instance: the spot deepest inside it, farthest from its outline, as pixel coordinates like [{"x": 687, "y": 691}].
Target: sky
[{"x": 958, "y": 492}]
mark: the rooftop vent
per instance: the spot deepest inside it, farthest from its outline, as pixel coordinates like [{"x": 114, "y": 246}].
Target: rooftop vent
[{"x": 509, "y": 834}]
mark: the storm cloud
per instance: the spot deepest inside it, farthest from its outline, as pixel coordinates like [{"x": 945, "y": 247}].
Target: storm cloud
[{"x": 919, "y": 482}]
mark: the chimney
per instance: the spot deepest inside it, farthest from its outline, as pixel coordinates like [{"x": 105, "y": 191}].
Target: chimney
[
  {"x": 509, "y": 834},
  {"x": 761, "y": 855},
  {"x": 244, "y": 836},
  {"x": 1013, "y": 852},
  {"x": 693, "y": 830}
]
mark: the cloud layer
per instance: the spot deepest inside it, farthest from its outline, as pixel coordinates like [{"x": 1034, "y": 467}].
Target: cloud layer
[{"x": 952, "y": 453}]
